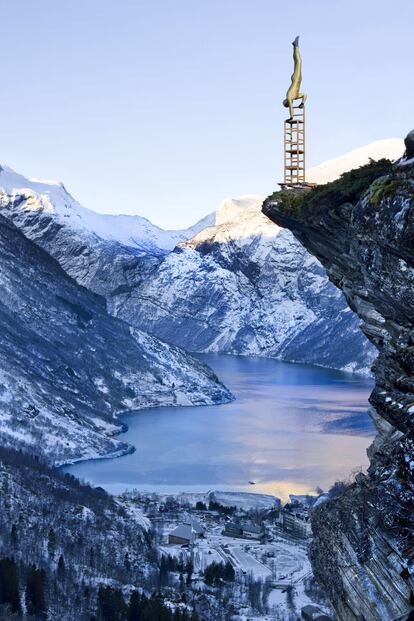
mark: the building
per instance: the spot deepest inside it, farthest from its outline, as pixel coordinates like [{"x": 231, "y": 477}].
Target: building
[
  {"x": 243, "y": 531},
  {"x": 198, "y": 529},
  {"x": 186, "y": 533},
  {"x": 182, "y": 534},
  {"x": 251, "y": 531},
  {"x": 296, "y": 524},
  {"x": 313, "y": 613},
  {"x": 233, "y": 530}
]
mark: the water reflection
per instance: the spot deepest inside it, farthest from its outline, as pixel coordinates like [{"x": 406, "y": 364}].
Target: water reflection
[{"x": 292, "y": 428}]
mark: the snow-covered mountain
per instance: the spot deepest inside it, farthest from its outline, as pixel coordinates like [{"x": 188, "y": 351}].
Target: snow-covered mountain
[
  {"x": 52, "y": 198},
  {"x": 67, "y": 366},
  {"x": 102, "y": 252},
  {"x": 233, "y": 283},
  {"x": 245, "y": 286}
]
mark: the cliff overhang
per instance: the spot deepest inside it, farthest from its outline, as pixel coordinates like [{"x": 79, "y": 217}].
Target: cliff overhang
[{"x": 361, "y": 228}]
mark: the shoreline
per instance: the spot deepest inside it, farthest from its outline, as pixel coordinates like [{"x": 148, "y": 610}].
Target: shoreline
[
  {"x": 133, "y": 475},
  {"x": 123, "y": 428}
]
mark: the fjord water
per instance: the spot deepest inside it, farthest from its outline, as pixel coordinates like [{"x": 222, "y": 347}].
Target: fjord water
[{"x": 290, "y": 429}]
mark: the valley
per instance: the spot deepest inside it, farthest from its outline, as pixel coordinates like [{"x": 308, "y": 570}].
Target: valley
[
  {"x": 212, "y": 374},
  {"x": 206, "y": 311}
]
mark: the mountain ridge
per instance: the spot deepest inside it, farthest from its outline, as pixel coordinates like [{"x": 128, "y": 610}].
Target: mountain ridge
[
  {"x": 213, "y": 290},
  {"x": 132, "y": 231},
  {"x": 217, "y": 292}
]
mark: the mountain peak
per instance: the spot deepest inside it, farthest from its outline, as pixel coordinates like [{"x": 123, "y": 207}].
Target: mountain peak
[
  {"x": 52, "y": 197},
  {"x": 232, "y": 207}
]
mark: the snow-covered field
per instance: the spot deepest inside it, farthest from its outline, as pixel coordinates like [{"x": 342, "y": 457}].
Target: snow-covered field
[{"x": 244, "y": 500}]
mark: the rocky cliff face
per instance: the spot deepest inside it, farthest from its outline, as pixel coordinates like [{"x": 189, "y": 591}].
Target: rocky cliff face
[
  {"x": 363, "y": 548},
  {"x": 67, "y": 366}
]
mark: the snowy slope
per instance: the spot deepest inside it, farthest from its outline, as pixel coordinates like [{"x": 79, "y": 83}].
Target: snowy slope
[
  {"x": 235, "y": 283},
  {"x": 49, "y": 216},
  {"x": 67, "y": 367},
  {"x": 391, "y": 148},
  {"x": 245, "y": 286},
  {"x": 52, "y": 198}
]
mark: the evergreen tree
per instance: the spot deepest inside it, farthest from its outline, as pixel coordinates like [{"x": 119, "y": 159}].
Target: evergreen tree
[
  {"x": 111, "y": 605},
  {"x": 35, "y": 593},
  {"x": 127, "y": 562},
  {"x": 9, "y": 584},
  {"x": 229, "y": 574},
  {"x": 156, "y": 611},
  {"x": 14, "y": 536},
  {"x": 254, "y": 591},
  {"x": 134, "y": 608},
  {"x": 189, "y": 571},
  {"x": 171, "y": 563},
  {"x": 143, "y": 609},
  {"x": 216, "y": 572},
  {"x": 51, "y": 543},
  {"x": 163, "y": 572},
  {"x": 61, "y": 567}
]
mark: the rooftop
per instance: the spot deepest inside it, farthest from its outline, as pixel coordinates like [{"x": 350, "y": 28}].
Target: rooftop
[
  {"x": 196, "y": 526},
  {"x": 251, "y": 528},
  {"x": 183, "y": 531}
]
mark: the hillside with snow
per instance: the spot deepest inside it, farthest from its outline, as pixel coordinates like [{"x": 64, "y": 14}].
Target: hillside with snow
[
  {"x": 245, "y": 286},
  {"x": 232, "y": 283},
  {"x": 52, "y": 199},
  {"x": 390, "y": 148},
  {"x": 102, "y": 252},
  {"x": 67, "y": 367}
]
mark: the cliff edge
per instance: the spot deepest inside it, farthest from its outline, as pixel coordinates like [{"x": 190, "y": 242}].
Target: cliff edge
[{"x": 361, "y": 228}]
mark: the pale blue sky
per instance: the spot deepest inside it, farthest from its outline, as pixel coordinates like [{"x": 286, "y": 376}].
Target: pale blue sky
[{"x": 165, "y": 107}]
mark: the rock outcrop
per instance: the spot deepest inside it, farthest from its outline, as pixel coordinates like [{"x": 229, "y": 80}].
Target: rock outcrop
[
  {"x": 409, "y": 145},
  {"x": 363, "y": 547}
]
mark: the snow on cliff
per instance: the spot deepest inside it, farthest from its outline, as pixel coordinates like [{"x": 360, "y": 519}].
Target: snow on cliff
[
  {"x": 391, "y": 148},
  {"x": 231, "y": 208},
  {"x": 236, "y": 219}
]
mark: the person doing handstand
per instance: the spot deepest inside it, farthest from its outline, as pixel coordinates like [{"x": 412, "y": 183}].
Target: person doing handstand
[{"x": 294, "y": 88}]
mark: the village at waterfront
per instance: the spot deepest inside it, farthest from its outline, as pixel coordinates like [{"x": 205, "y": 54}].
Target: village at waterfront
[{"x": 250, "y": 539}]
